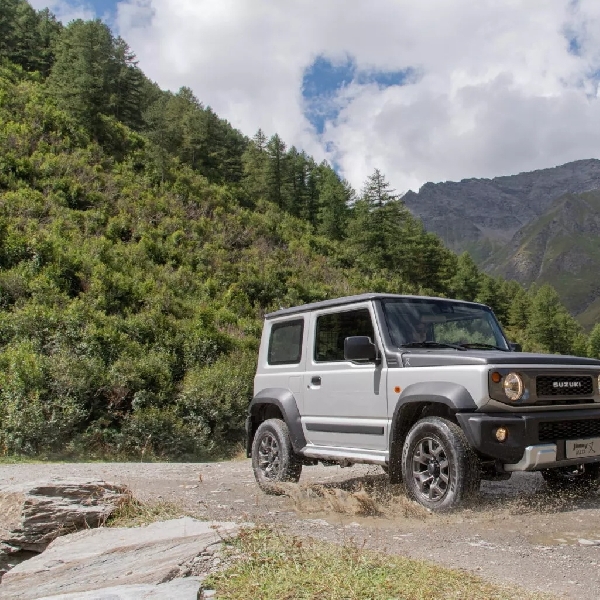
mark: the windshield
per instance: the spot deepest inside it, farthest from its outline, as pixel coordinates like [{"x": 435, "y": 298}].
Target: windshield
[{"x": 420, "y": 322}]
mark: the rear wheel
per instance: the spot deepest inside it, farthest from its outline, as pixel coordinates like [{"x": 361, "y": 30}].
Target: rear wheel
[
  {"x": 576, "y": 476},
  {"x": 439, "y": 468},
  {"x": 273, "y": 458}
]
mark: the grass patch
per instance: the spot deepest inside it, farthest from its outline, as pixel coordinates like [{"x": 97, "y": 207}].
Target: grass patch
[
  {"x": 134, "y": 513},
  {"x": 277, "y": 567}
]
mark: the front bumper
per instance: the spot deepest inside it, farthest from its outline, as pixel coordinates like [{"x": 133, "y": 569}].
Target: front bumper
[{"x": 525, "y": 449}]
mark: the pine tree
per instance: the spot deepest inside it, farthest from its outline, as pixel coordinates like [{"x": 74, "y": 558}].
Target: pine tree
[
  {"x": 277, "y": 172},
  {"x": 126, "y": 86},
  {"x": 551, "y": 328},
  {"x": 27, "y": 36},
  {"x": 465, "y": 282},
  {"x": 255, "y": 161},
  {"x": 26, "y": 42},
  {"x": 8, "y": 35},
  {"x": 377, "y": 191},
  {"x": 81, "y": 76},
  {"x": 334, "y": 199},
  {"x": 49, "y": 31},
  {"x": 296, "y": 188},
  {"x": 520, "y": 308},
  {"x": 593, "y": 345}
]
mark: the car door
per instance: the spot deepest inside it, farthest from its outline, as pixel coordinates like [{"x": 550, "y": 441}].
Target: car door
[{"x": 345, "y": 402}]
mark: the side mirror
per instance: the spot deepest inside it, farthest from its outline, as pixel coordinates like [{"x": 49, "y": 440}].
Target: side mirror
[
  {"x": 360, "y": 347},
  {"x": 514, "y": 347}
]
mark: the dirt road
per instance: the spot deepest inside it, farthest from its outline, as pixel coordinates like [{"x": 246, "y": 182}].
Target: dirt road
[{"x": 517, "y": 533}]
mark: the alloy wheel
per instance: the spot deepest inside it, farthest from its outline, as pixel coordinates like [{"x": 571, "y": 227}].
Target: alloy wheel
[
  {"x": 431, "y": 469},
  {"x": 269, "y": 460}
]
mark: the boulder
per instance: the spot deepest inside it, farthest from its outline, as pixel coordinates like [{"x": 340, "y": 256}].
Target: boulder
[
  {"x": 33, "y": 514},
  {"x": 120, "y": 562}
]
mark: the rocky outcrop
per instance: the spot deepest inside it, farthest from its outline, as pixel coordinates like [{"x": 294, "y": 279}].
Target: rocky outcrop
[
  {"x": 149, "y": 562},
  {"x": 472, "y": 210},
  {"x": 561, "y": 248},
  {"x": 34, "y": 514}
]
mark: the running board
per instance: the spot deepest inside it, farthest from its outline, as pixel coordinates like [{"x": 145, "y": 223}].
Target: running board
[{"x": 345, "y": 454}]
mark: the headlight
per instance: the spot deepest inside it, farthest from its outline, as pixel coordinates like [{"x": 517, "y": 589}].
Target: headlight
[{"x": 513, "y": 387}]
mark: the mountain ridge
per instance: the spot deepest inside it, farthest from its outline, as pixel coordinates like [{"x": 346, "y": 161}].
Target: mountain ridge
[
  {"x": 562, "y": 247},
  {"x": 480, "y": 215}
]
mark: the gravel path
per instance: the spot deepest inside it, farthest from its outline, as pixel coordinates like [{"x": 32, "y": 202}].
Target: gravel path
[{"x": 516, "y": 533}]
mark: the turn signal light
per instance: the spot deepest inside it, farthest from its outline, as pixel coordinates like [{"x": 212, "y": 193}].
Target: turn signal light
[{"x": 496, "y": 377}]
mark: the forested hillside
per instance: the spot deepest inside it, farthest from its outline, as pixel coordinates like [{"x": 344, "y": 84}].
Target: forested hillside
[{"x": 142, "y": 239}]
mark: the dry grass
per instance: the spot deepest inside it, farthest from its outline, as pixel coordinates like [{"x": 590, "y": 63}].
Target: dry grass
[
  {"x": 277, "y": 567},
  {"x": 133, "y": 513}
]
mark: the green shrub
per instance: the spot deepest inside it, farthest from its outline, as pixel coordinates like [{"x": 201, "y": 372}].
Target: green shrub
[
  {"x": 216, "y": 397},
  {"x": 160, "y": 433},
  {"x": 33, "y": 420}
]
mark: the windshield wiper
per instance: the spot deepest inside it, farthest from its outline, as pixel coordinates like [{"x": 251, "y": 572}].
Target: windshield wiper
[
  {"x": 484, "y": 346},
  {"x": 432, "y": 345}
]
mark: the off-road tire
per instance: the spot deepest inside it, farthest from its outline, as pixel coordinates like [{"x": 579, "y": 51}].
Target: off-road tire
[
  {"x": 273, "y": 458},
  {"x": 438, "y": 449},
  {"x": 575, "y": 477}
]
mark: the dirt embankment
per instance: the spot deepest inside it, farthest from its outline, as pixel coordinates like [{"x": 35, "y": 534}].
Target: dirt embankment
[{"x": 518, "y": 532}]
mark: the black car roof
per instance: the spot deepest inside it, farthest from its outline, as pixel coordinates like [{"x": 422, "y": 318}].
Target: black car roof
[{"x": 351, "y": 300}]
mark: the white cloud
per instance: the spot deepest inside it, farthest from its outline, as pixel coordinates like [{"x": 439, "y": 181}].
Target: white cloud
[
  {"x": 64, "y": 10},
  {"x": 498, "y": 93}
]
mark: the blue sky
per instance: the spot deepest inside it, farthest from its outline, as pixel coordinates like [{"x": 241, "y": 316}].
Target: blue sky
[
  {"x": 324, "y": 80},
  {"x": 424, "y": 91},
  {"x": 103, "y": 6}
]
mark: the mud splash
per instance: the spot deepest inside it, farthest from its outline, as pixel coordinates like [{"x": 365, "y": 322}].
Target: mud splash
[
  {"x": 367, "y": 496},
  {"x": 525, "y": 499}
]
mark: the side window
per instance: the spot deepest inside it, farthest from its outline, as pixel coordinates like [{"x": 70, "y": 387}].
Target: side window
[
  {"x": 285, "y": 345},
  {"x": 334, "y": 328}
]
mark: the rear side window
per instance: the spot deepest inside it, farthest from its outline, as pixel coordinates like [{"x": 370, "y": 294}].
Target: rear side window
[
  {"x": 334, "y": 328},
  {"x": 285, "y": 345}
]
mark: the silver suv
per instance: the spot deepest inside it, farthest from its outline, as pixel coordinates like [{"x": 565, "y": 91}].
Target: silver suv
[{"x": 428, "y": 388}]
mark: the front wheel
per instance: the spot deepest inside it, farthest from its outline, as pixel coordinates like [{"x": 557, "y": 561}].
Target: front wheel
[
  {"x": 273, "y": 458},
  {"x": 439, "y": 468},
  {"x": 577, "y": 476}
]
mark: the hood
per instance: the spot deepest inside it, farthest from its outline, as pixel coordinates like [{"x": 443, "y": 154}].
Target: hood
[{"x": 423, "y": 357}]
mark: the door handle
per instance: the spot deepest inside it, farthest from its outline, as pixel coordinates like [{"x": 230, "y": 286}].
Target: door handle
[{"x": 316, "y": 380}]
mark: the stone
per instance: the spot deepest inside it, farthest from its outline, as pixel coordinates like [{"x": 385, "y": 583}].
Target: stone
[
  {"x": 99, "y": 559},
  {"x": 180, "y": 589},
  {"x": 33, "y": 514}
]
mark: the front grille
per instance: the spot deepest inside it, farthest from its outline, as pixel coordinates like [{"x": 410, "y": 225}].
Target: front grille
[
  {"x": 563, "y": 385},
  {"x": 569, "y": 430}
]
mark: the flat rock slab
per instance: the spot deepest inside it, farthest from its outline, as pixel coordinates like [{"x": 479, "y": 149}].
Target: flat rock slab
[
  {"x": 99, "y": 559},
  {"x": 178, "y": 589}
]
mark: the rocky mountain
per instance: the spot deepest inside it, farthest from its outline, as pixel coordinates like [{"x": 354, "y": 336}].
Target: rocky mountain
[
  {"x": 538, "y": 227},
  {"x": 562, "y": 247},
  {"x": 482, "y": 215}
]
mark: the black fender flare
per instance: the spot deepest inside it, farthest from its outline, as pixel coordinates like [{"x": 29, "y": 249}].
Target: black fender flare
[
  {"x": 285, "y": 401},
  {"x": 452, "y": 395}
]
